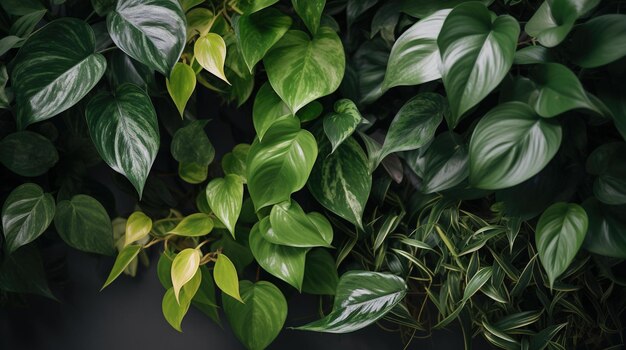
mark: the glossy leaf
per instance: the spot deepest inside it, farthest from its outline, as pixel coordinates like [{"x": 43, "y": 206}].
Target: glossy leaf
[
  {"x": 45, "y": 88},
  {"x": 27, "y": 153},
  {"x": 310, "y": 11},
  {"x": 21, "y": 7},
  {"x": 192, "y": 145},
  {"x": 320, "y": 273},
  {"x": 194, "y": 225},
  {"x": 251, "y": 6},
  {"x": 606, "y": 229},
  {"x": 268, "y": 108},
  {"x": 175, "y": 308},
  {"x": 510, "y": 145},
  {"x": 193, "y": 173},
  {"x": 284, "y": 262},
  {"x": 559, "y": 235},
  {"x": 124, "y": 258},
  {"x": 84, "y": 224},
  {"x": 257, "y": 321},
  {"x": 184, "y": 267},
  {"x": 599, "y": 41},
  {"x": 477, "y": 281},
  {"x": 291, "y": 226},
  {"x": 124, "y": 69},
  {"x": 415, "y": 57},
  {"x": 234, "y": 162},
  {"x": 26, "y": 214},
  {"x": 180, "y": 85},
  {"x": 199, "y": 22},
  {"x": 210, "y": 52},
  {"x": 342, "y": 124},
  {"x": 138, "y": 226},
  {"x": 362, "y": 298},
  {"x": 302, "y": 69},
  {"x": 226, "y": 278},
  {"x": 124, "y": 129},
  {"x": 554, "y": 19},
  {"x": 225, "y": 197},
  {"x": 281, "y": 164},
  {"x": 150, "y": 31},
  {"x": 608, "y": 162},
  {"x": 477, "y": 51},
  {"x": 446, "y": 163},
  {"x": 24, "y": 26}
]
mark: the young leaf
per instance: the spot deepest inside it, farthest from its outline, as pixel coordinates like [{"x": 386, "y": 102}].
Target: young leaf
[
  {"x": 27, "y": 153},
  {"x": 599, "y": 41},
  {"x": 210, "y": 52},
  {"x": 320, "y": 273},
  {"x": 180, "y": 85},
  {"x": 194, "y": 225},
  {"x": 268, "y": 108},
  {"x": 138, "y": 226},
  {"x": 124, "y": 258},
  {"x": 310, "y": 11},
  {"x": 175, "y": 309},
  {"x": 559, "y": 235},
  {"x": 340, "y": 125},
  {"x": 290, "y": 226},
  {"x": 184, "y": 267},
  {"x": 256, "y": 321},
  {"x": 225, "y": 197},
  {"x": 225, "y": 276},
  {"x": 26, "y": 214},
  {"x": 554, "y": 19}
]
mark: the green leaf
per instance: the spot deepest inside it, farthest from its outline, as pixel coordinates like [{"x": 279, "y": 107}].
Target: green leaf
[
  {"x": 124, "y": 69},
  {"x": 45, "y": 88},
  {"x": 310, "y": 112},
  {"x": 368, "y": 71},
  {"x": 362, "y": 298},
  {"x": 251, "y": 6},
  {"x": 291, "y": 226},
  {"x": 204, "y": 299},
  {"x": 150, "y": 31},
  {"x": 558, "y": 91},
  {"x": 184, "y": 267},
  {"x": 188, "y": 4},
  {"x": 9, "y": 42},
  {"x": 320, "y": 273},
  {"x": 608, "y": 162},
  {"x": 415, "y": 57},
  {"x": 199, "y": 22},
  {"x": 23, "y": 272},
  {"x": 191, "y": 144},
  {"x": 194, "y": 225},
  {"x": 310, "y": 11},
  {"x": 446, "y": 163},
  {"x": 103, "y": 7},
  {"x": 258, "y": 32},
  {"x": 138, "y": 226},
  {"x": 84, "y": 224},
  {"x": 301, "y": 69},
  {"x": 510, "y": 145},
  {"x": 284, "y": 262},
  {"x": 599, "y": 41},
  {"x": 340, "y": 125},
  {"x": 559, "y": 235},
  {"x": 341, "y": 181},
  {"x": 280, "y": 164},
  {"x": 25, "y": 25},
  {"x": 26, "y": 214},
  {"x": 415, "y": 123},
  {"x": 180, "y": 85},
  {"x": 234, "y": 162},
  {"x": 606, "y": 229},
  {"x": 533, "y": 54},
  {"x": 268, "y": 108},
  {"x": 423, "y": 8},
  {"x": 175, "y": 308},
  {"x": 21, "y": 7},
  {"x": 193, "y": 173},
  {"x": 6, "y": 95},
  {"x": 554, "y": 19},
  {"x": 27, "y": 153},
  {"x": 257, "y": 321},
  {"x": 124, "y": 258},
  {"x": 476, "y": 282},
  {"x": 124, "y": 129},
  {"x": 210, "y": 52},
  {"x": 225, "y": 197},
  {"x": 226, "y": 278},
  {"x": 477, "y": 50}
]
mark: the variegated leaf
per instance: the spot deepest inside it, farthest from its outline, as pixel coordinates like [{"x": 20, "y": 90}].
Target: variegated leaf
[
  {"x": 340, "y": 125},
  {"x": 310, "y": 11},
  {"x": 210, "y": 51}
]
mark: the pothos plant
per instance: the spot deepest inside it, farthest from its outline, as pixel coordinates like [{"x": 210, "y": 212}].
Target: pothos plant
[{"x": 533, "y": 105}]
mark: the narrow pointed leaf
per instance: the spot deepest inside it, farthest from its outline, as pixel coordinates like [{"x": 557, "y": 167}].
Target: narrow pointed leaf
[
  {"x": 226, "y": 278},
  {"x": 184, "y": 267},
  {"x": 180, "y": 85},
  {"x": 210, "y": 52},
  {"x": 138, "y": 226},
  {"x": 225, "y": 197},
  {"x": 124, "y": 258},
  {"x": 476, "y": 282},
  {"x": 84, "y": 224}
]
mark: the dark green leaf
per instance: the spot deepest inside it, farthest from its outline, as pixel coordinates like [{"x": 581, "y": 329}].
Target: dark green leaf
[
  {"x": 124, "y": 69},
  {"x": 27, "y": 153},
  {"x": 251, "y": 6},
  {"x": 446, "y": 163},
  {"x": 599, "y": 41},
  {"x": 423, "y": 8},
  {"x": 191, "y": 144},
  {"x": 607, "y": 224},
  {"x": 103, "y": 7},
  {"x": 21, "y": 7},
  {"x": 23, "y": 272},
  {"x": 476, "y": 282},
  {"x": 608, "y": 162},
  {"x": 554, "y": 19},
  {"x": 532, "y": 55},
  {"x": 25, "y": 25},
  {"x": 320, "y": 273}
]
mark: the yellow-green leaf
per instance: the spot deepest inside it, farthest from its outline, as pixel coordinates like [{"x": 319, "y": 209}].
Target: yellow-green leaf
[
  {"x": 180, "y": 85},
  {"x": 184, "y": 266},
  {"x": 210, "y": 52},
  {"x": 124, "y": 258},
  {"x": 138, "y": 226},
  {"x": 225, "y": 276},
  {"x": 194, "y": 225}
]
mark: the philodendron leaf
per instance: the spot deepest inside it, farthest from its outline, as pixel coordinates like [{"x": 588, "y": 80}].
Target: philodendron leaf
[
  {"x": 415, "y": 57},
  {"x": 84, "y": 224},
  {"x": 284, "y": 262},
  {"x": 191, "y": 144},
  {"x": 477, "y": 50},
  {"x": 194, "y": 225},
  {"x": 446, "y": 163},
  {"x": 225, "y": 275},
  {"x": 210, "y": 52},
  {"x": 320, "y": 273},
  {"x": 257, "y": 321},
  {"x": 291, "y": 226},
  {"x": 45, "y": 88},
  {"x": 180, "y": 85},
  {"x": 558, "y": 91},
  {"x": 184, "y": 267},
  {"x": 150, "y": 31},
  {"x": 415, "y": 124},
  {"x": 608, "y": 162},
  {"x": 258, "y": 32},
  {"x": 554, "y": 19},
  {"x": 607, "y": 224},
  {"x": 234, "y": 162},
  {"x": 599, "y": 41},
  {"x": 175, "y": 308},
  {"x": 26, "y": 214},
  {"x": 138, "y": 226},
  {"x": 268, "y": 108},
  {"x": 510, "y": 145},
  {"x": 362, "y": 298},
  {"x": 225, "y": 197},
  {"x": 310, "y": 11},
  {"x": 341, "y": 181},
  {"x": 280, "y": 164},
  {"x": 302, "y": 69},
  {"x": 27, "y": 153},
  {"x": 124, "y": 258},
  {"x": 342, "y": 124},
  {"x": 559, "y": 235},
  {"x": 125, "y": 131}
]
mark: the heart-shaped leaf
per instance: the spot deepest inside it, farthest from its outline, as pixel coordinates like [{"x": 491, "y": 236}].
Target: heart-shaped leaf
[
  {"x": 210, "y": 52},
  {"x": 559, "y": 235},
  {"x": 599, "y": 41},
  {"x": 138, "y": 226},
  {"x": 26, "y": 214},
  {"x": 184, "y": 267},
  {"x": 175, "y": 308},
  {"x": 302, "y": 69},
  {"x": 477, "y": 50},
  {"x": 27, "y": 153},
  {"x": 124, "y": 258},
  {"x": 554, "y": 19},
  {"x": 257, "y": 321},
  {"x": 510, "y": 145},
  {"x": 606, "y": 229},
  {"x": 84, "y": 224},
  {"x": 180, "y": 85},
  {"x": 320, "y": 273},
  {"x": 226, "y": 278},
  {"x": 192, "y": 145},
  {"x": 225, "y": 197},
  {"x": 268, "y": 108},
  {"x": 194, "y": 225},
  {"x": 124, "y": 129},
  {"x": 45, "y": 88},
  {"x": 291, "y": 226},
  {"x": 362, "y": 298},
  {"x": 340, "y": 125},
  {"x": 446, "y": 163},
  {"x": 150, "y": 31},
  {"x": 310, "y": 11}
]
